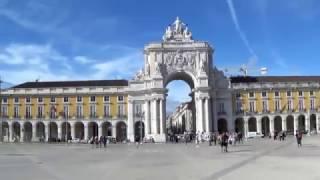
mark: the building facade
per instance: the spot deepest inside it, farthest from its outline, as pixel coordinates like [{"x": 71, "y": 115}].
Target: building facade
[{"x": 127, "y": 109}]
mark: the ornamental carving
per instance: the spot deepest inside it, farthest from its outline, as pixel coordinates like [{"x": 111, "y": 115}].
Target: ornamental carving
[{"x": 179, "y": 60}]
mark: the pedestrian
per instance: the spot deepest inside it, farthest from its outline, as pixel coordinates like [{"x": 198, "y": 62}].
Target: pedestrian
[
  {"x": 104, "y": 141},
  {"x": 299, "y": 138},
  {"x": 97, "y": 141},
  {"x": 210, "y": 139},
  {"x": 101, "y": 141},
  {"x": 215, "y": 138}
]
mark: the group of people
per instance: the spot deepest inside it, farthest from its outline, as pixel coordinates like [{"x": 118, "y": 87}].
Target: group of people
[{"x": 103, "y": 140}]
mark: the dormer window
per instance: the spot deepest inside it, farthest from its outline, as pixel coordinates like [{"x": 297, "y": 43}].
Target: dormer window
[
  {"x": 264, "y": 94},
  {"x": 251, "y": 94}
]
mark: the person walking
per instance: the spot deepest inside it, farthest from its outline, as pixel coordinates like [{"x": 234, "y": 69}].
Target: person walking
[
  {"x": 210, "y": 139},
  {"x": 104, "y": 141},
  {"x": 101, "y": 141},
  {"x": 299, "y": 138},
  {"x": 215, "y": 138}
]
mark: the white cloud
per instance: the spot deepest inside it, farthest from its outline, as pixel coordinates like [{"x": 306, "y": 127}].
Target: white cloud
[
  {"x": 238, "y": 28},
  {"x": 83, "y": 60}
]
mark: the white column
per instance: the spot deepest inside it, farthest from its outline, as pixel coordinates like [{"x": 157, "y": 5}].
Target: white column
[
  {"x": 10, "y": 131},
  {"x": 199, "y": 120},
  {"x": 307, "y": 124},
  {"x": 114, "y": 131},
  {"x": 100, "y": 130},
  {"x": 295, "y": 124},
  {"x": 317, "y": 123},
  {"x": 86, "y": 131},
  {"x": 154, "y": 114},
  {"x": 130, "y": 130},
  {"x": 46, "y": 130},
  {"x": 21, "y": 133},
  {"x": 284, "y": 123},
  {"x": 245, "y": 125},
  {"x": 162, "y": 117},
  {"x": 146, "y": 117},
  {"x": 60, "y": 131},
  {"x": 259, "y": 125},
  {"x": 271, "y": 125},
  {"x": 73, "y": 130},
  {"x": 206, "y": 113},
  {"x": 34, "y": 131}
]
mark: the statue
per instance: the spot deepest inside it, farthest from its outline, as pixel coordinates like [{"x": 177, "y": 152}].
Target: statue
[
  {"x": 177, "y": 31},
  {"x": 147, "y": 70},
  {"x": 158, "y": 68},
  {"x": 187, "y": 34},
  {"x": 139, "y": 75},
  {"x": 203, "y": 65}
]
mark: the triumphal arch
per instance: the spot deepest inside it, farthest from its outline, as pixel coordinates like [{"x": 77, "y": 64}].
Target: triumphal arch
[{"x": 177, "y": 57}]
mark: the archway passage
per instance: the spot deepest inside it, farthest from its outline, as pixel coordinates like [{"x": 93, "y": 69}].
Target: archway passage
[
  {"x": 27, "y": 128},
  {"x": 5, "y": 131},
  {"x": 301, "y": 123},
  {"x": 265, "y": 126},
  {"x": 16, "y": 131},
  {"x": 277, "y": 124},
  {"x": 222, "y": 125},
  {"x": 93, "y": 129},
  {"x": 313, "y": 123},
  {"x": 139, "y": 130},
  {"x": 239, "y": 125},
  {"x": 79, "y": 130},
  {"x": 66, "y": 131},
  {"x": 290, "y": 124},
  {"x": 121, "y": 131},
  {"x": 40, "y": 130},
  {"x": 53, "y": 132},
  {"x": 252, "y": 124},
  {"x": 106, "y": 129}
]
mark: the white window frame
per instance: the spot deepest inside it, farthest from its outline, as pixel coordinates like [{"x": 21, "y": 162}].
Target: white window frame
[
  {"x": 16, "y": 111},
  {"x": 252, "y": 108},
  {"x": 254, "y": 94},
  {"x": 95, "y": 99},
  {"x": 277, "y": 104},
  {"x": 266, "y": 107},
  {"x": 79, "y": 110},
  {"x": 28, "y": 97},
  {"x": 80, "y": 98},
  {"x": 266, "y": 94},
  {"x": 278, "y": 94},
  {"x": 302, "y": 94},
  {"x": 104, "y": 98}
]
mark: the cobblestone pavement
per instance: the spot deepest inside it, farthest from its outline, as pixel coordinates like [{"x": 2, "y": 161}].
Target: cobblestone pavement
[{"x": 255, "y": 159}]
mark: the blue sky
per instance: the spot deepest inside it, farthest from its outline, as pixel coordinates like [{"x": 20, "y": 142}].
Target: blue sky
[{"x": 103, "y": 39}]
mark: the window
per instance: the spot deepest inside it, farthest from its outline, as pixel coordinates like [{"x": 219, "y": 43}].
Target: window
[
  {"x": 28, "y": 112},
  {"x": 221, "y": 108},
  {"x": 92, "y": 99},
  {"x": 120, "y": 98},
  {"x": 66, "y": 111},
  {"x": 65, "y": 99},
  {"x": 288, "y": 93},
  {"x": 238, "y": 106},
  {"x": 53, "y": 99},
  {"x": 251, "y": 106},
  {"x": 79, "y": 98},
  {"x": 16, "y": 100},
  {"x": 276, "y": 94},
  {"x": 28, "y": 99},
  {"x": 264, "y": 94},
  {"x": 16, "y": 111},
  {"x": 238, "y": 95},
  {"x": 251, "y": 94},
  {"x": 4, "y": 111},
  {"x": 106, "y": 109},
  {"x": 92, "y": 110},
  {"x": 4, "y": 100},
  {"x": 277, "y": 105},
  {"x": 40, "y": 111},
  {"x": 301, "y": 105},
  {"x": 289, "y": 105},
  {"x": 120, "y": 110},
  {"x": 106, "y": 98},
  {"x": 312, "y": 104},
  {"x": 40, "y": 99},
  {"x": 300, "y": 93},
  {"x": 53, "y": 111},
  {"x": 264, "y": 106},
  {"x": 79, "y": 111},
  {"x": 138, "y": 109},
  {"x": 311, "y": 93}
]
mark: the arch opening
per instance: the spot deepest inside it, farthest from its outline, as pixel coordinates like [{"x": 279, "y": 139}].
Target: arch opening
[
  {"x": 106, "y": 129},
  {"x": 265, "y": 126},
  {"x": 139, "y": 131},
  {"x": 290, "y": 124},
  {"x": 27, "y": 128},
  {"x": 239, "y": 125},
  {"x": 313, "y": 123},
  {"x": 121, "y": 131},
  {"x": 79, "y": 130},
  {"x": 252, "y": 124},
  {"x": 278, "y": 123}
]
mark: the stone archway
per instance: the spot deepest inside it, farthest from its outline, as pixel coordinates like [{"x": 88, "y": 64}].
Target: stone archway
[
  {"x": 177, "y": 57},
  {"x": 239, "y": 125},
  {"x": 53, "y": 132},
  {"x": 5, "y": 132},
  {"x": 222, "y": 125},
  {"x": 79, "y": 130},
  {"x": 40, "y": 130},
  {"x": 139, "y": 130},
  {"x": 66, "y": 131},
  {"x": 278, "y": 123},
  {"x": 265, "y": 125},
  {"x": 313, "y": 123},
  {"x": 252, "y": 124},
  {"x": 301, "y": 123},
  {"x": 93, "y": 130},
  {"x": 290, "y": 124},
  {"x": 27, "y": 128},
  {"x": 106, "y": 129},
  {"x": 16, "y": 131},
  {"x": 121, "y": 128}
]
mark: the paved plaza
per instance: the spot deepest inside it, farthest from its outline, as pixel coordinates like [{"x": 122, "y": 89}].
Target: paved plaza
[{"x": 255, "y": 159}]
